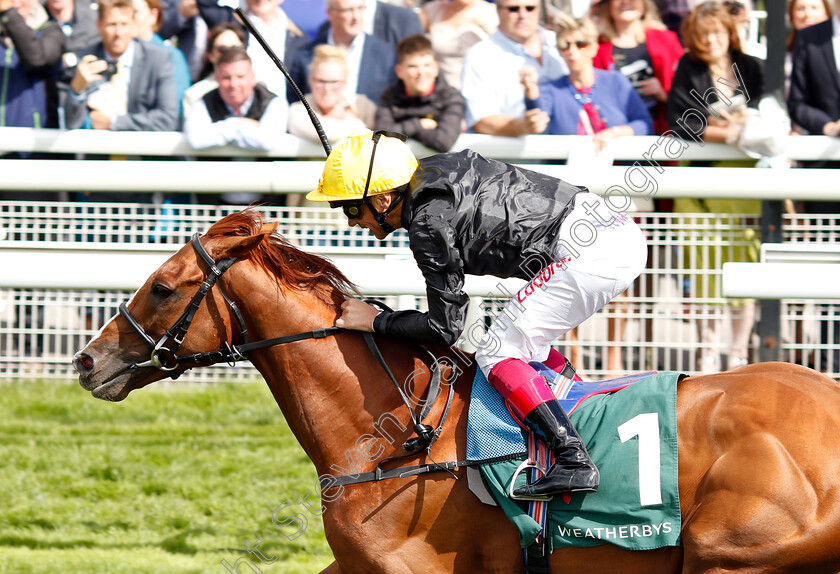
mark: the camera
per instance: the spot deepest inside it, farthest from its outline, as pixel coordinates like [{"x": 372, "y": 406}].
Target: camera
[{"x": 110, "y": 70}]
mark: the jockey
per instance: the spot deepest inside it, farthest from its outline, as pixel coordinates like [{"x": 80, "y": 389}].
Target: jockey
[{"x": 468, "y": 214}]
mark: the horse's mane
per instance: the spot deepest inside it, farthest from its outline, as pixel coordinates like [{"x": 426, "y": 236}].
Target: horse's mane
[{"x": 293, "y": 268}]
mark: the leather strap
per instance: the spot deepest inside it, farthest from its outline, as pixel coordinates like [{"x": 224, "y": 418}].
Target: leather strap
[
  {"x": 424, "y": 433},
  {"x": 537, "y": 557},
  {"x": 237, "y": 353},
  {"x": 403, "y": 471}
]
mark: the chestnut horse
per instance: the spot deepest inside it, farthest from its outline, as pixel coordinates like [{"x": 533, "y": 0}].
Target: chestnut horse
[{"x": 759, "y": 446}]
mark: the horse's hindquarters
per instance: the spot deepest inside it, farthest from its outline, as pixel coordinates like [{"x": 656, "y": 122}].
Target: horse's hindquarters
[{"x": 758, "y": 468}]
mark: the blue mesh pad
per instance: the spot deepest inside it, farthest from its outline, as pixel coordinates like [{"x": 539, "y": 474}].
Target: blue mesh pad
[{"x": 491, "y": 430}]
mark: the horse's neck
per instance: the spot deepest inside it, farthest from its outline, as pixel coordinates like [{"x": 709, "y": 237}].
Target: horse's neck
[{"x": 330, "y": 390}]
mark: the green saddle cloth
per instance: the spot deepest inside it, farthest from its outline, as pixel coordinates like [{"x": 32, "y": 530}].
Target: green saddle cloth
[{"x": 632, "y": 437}]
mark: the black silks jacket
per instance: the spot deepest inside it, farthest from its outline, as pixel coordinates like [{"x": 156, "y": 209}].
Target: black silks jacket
[{"x": 468, "y": 214}]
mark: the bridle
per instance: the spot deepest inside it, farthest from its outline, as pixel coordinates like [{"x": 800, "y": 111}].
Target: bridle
[{"x": 163, "y": 351}]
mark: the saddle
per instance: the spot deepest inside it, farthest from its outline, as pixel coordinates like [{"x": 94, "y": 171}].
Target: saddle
[{"x": 624, "y": 422}]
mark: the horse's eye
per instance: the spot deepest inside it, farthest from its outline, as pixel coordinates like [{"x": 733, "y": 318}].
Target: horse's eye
[{"x": 160, "y": 291}]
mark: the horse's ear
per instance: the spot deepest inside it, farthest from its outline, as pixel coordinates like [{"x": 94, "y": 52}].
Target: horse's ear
[{"x": 240, "y": 246}]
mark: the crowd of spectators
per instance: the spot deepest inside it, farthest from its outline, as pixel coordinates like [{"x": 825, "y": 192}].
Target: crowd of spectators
[{"x": 143, "y": 64}]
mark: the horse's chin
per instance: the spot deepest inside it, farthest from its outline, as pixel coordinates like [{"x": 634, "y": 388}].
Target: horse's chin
[
  {"x": 118, "y": 386},
  {"x": 114, "y": 390}
]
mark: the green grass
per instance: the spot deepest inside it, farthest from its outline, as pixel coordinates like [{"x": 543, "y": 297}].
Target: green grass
[{"x": 173, "y": 479}]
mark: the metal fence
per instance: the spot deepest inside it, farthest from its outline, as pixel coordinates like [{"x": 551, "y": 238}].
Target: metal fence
[{"x": 673, "y": 317}]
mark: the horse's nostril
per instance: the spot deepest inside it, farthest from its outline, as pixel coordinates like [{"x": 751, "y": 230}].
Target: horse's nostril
[{"x": 83, "y": 362}]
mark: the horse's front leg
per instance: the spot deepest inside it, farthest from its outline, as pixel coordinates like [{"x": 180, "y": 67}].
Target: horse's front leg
[{"x": 333, "y": 568}]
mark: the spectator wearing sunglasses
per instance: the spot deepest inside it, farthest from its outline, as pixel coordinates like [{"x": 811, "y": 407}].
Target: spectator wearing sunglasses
[
  {"x": 465, "y": 214},
  {"x": 588, "y": 101},
  {"x": 490, "y": 81}
]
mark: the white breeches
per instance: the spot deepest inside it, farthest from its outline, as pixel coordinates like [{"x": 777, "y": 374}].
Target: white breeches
[{"x": 599, "y": 254}]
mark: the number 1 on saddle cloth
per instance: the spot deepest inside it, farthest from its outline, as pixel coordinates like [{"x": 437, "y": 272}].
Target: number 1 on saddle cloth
[{"x": 534, "y": 406}]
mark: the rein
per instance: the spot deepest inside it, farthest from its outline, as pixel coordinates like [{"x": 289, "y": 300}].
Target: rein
[{"x": 164, "y": 357}]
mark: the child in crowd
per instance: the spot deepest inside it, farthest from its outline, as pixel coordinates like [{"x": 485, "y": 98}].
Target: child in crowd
[{"x": 420, "y": 103}]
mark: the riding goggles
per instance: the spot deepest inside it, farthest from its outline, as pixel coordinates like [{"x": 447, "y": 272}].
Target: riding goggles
[{"x": 352, "y": 210}]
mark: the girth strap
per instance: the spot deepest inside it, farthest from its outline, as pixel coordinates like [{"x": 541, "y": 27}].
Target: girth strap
[
  {"x": 403, "y": 471},
  {"x": 537, "y": 557},
  {"x": 384, "y": 474}
]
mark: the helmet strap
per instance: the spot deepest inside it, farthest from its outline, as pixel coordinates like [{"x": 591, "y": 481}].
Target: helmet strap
[{"x": 380, "y": 217}]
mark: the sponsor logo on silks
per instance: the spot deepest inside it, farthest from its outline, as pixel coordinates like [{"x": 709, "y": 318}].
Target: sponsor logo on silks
[
  {"x": 541, "y": 279},
  {"x": 617, "y": 220},
  {"x": 616, "y": 532}
]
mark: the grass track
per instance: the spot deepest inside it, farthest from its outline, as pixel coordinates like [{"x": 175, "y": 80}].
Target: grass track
[{"x": 174, "y": 479}]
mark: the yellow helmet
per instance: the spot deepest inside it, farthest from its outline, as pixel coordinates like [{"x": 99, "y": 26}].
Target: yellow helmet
[{"x": 348, "y": 165}]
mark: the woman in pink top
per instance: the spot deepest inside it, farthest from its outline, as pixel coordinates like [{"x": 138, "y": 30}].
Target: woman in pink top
[{"x": 635, "y": 42}]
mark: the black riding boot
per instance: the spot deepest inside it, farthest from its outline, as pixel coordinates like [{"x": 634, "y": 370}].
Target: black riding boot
[{"x": 573, "y": 470}]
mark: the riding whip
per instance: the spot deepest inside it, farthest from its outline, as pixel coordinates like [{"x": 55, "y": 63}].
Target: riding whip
[{"x": 279, "y": 63}]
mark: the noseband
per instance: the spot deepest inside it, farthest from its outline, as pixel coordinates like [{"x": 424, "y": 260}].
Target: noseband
[{"x": 163, "y": 357}]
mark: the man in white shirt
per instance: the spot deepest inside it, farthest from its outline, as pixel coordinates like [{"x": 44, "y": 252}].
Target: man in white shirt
[
  {"x": 239, "y": 112},
  {"x": 495, "y": 100}
]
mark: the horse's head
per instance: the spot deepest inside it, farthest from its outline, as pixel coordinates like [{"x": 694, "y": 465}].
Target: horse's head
[
  {"x": 181, "y": 318},
  {"x": 178, "y": 309}
]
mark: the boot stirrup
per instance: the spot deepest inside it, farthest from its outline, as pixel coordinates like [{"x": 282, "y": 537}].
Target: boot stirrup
[{"x": 525, "y": 465}]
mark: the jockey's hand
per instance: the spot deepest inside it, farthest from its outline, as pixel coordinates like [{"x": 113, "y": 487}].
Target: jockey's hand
[{"x": 357, "y": 315}]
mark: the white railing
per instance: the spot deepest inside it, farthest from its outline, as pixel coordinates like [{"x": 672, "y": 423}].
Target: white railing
[
  {"x": 647, "y": 178},
  {"x": 299, "y": 176},
  {"x": 43, "y": 319},
  {"x": 800, "y": 270},
  {"x": 57, "y": 291},
  {"x": 530, "y": 148}
]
